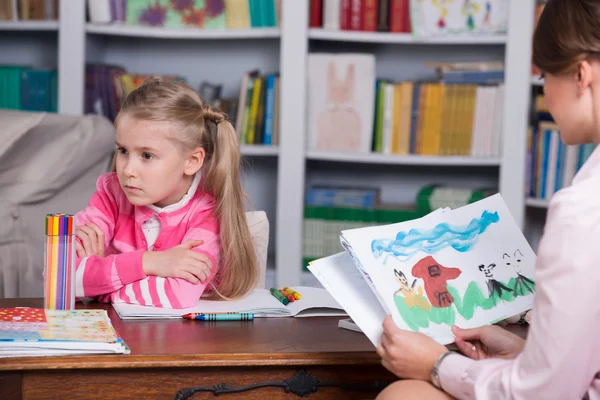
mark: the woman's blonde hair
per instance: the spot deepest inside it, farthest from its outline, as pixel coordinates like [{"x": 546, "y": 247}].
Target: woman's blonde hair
[
  {"x": 566, "y": 34},
  {"x": 206, "y": 127}
]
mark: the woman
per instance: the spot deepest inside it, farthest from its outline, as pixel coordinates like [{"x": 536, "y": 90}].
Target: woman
[{"x": 561, "y": 357}]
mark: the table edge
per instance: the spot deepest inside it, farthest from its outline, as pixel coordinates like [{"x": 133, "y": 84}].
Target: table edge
[{"x": 188, "y": 361}]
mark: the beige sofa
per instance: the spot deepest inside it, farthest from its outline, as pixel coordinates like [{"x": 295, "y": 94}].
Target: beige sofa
[{"x": 48, "y": 164}]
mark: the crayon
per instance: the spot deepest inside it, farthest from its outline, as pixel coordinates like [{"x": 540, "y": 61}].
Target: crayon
[
  {"x": 296, "y": 295},
  {"x": 192, "y": 315},
  {"x": 279, "y": 296},
  {"x": 287, "y": 295},
  {"x": 222, "y": 317}
]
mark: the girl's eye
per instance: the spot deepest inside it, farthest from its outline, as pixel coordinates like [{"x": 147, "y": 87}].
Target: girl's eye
[
  {"x": 122, "y": 150},
  {"x": 147, "y": 156}
]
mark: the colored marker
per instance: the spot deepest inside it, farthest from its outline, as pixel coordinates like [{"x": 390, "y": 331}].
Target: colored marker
[
  {"x": 222, "y": 317},
  {"x": 279, "y": 296},
  {"x": 287, "y": 295},
  {"x": 296, "y": 295}
]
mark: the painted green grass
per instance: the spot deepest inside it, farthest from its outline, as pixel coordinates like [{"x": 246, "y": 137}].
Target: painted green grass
[{"x": 466, "y": 305}]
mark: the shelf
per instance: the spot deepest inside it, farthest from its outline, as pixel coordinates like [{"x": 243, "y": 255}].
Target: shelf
[
  {"x": 182, "y": 33},
  {"x": 537, "y": 203},
  {"x": 259, "y": 150},
  {"x": 28, "y": 25},
  {"x": 374, "y": 158},
  {"x": 407, "y": 38},
  {"x": 537, "y": 81}
]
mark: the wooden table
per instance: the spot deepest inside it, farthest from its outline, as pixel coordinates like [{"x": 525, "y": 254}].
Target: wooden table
[{"x": 268, "y": 358}]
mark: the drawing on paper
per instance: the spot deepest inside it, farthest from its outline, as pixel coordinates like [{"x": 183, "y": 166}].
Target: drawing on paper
[
  {"x": 523, "y": 285},
  {"x": 412, "y": 296},
  {"x": 460, "y": 238},
  {"x": 442, "y": 6},
  {"x": 466, "y": 304},
  {"x": 435, "y": 276},
  {"x": 495, "y": 288},
  {"x": 339, "y": 122},
  {"x": 469, "y": 11}
]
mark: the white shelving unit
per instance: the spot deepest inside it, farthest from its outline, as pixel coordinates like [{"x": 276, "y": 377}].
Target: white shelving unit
[
  {"x": 537, "y": 203},
  {"x": 398, "y": 38},
  {"x": 28, "y": 25},
  {"x": 277, "y": 176}
]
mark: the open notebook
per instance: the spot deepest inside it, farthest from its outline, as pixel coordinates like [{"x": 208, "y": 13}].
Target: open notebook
[
  {"x": 315, "y": 302},
  {"x": 39, "y": 332}
]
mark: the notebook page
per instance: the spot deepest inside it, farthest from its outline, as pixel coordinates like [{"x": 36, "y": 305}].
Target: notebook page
[
  {"x": 315, "y": 302},
  {"x": 344, "y": 281},
  {"x": 259, "y": 301}
]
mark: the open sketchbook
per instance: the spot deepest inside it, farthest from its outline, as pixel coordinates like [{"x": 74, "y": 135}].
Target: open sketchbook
[
  {"x": 39, "y": 332},
  {"x": 470, "y": 266},
  {"x": 314, "y": 302}
]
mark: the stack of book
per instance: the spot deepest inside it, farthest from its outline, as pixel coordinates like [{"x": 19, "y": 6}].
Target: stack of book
[{"x": 45, "y": 332}]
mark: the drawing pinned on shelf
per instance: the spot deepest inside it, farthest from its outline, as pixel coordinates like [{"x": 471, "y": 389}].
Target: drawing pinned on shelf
[
  {"x": 341, "y": 95},
  {"x": 432, "y": 18}
]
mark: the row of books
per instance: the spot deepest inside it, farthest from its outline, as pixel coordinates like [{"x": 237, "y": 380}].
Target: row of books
[
  {"x": 213, "y": 14},
  {"x": 361, "y": 15},
  {"x": 438, "y": 119},
  {"x": 330, "y": 210},
  {"x": 257, "y": 119},
  {"x": 458, "y": 112},
  {"x": 551, "y": 164},
  {"x": 26, "y": 10},
  {"x": 28, "y": 89},
  {"x": 422, "y": 18}
]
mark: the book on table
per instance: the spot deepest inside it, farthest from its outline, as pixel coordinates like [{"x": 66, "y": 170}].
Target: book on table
[
  {"x": 314, "y": 302},
  {"x": 43, "y": 332}
]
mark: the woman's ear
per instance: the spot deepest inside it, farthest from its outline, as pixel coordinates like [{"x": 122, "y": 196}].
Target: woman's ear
[
  {"x": 585, "y": 76},
  {"x": 194, "y": 161}
]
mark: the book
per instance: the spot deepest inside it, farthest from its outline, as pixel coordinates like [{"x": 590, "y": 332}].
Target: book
[
  {"x": 470, "y": 266},
  {"x": 315, "y": 302},
  {"x": 44, "y": 332}
]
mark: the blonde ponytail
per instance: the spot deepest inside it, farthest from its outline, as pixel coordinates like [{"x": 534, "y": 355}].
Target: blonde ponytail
[
  {"x": 239, "y": 271},
  {"x": 203, "y": 126}
]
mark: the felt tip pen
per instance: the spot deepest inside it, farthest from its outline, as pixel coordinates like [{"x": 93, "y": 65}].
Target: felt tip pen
[{"x": 221, "y": 317}]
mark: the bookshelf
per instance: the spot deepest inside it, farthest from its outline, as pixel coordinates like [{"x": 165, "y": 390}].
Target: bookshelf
[
  {"x": 276, "y": 177},
  {"x": 29, "y": 26},
  {"x": 537, "y": 203}
]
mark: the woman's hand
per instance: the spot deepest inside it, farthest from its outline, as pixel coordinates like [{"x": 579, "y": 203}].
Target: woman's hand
[
  {"x": 408, "y": 354},
  {"x": 91, "y": 240},
  {"x": 488, "y": 342},
  {"x": 178, "y": 262}
]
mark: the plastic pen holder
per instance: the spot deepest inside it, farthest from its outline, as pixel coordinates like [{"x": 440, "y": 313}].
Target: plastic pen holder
[{"x": 59, "y": 262}]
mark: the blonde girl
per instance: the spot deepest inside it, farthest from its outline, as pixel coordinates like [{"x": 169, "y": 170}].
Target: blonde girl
[{"x": 168, "y": 225}]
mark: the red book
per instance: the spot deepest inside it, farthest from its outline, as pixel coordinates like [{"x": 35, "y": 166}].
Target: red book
[
  {"x": 369, "y": 15},
  {"x": 345, "y": 14},
  {"x": 398, "y": 15},
  {"x": 355, "y": 15},
  {"x": 316, "y": 14}
]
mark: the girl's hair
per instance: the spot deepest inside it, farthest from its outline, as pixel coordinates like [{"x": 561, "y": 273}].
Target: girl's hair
[
  {"x": 203, "y": 126},
  {"x": 567, "y": 33}
]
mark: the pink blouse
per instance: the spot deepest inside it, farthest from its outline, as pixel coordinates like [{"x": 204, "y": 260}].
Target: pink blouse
[{"x": 561, "y": 358}]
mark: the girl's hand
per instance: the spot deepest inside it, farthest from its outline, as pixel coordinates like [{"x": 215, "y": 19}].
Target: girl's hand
[
  {"x": 178, "y": 262},
  {"x": 408, "y": 354},
  {"x": 91, "y": 240},
  {"x": 488, "y": 342}
]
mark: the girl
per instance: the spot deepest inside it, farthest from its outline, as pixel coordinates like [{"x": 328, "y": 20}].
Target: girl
[
  {"x": 172, "y": 217},
  {"x": 561, "y": 357}
]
